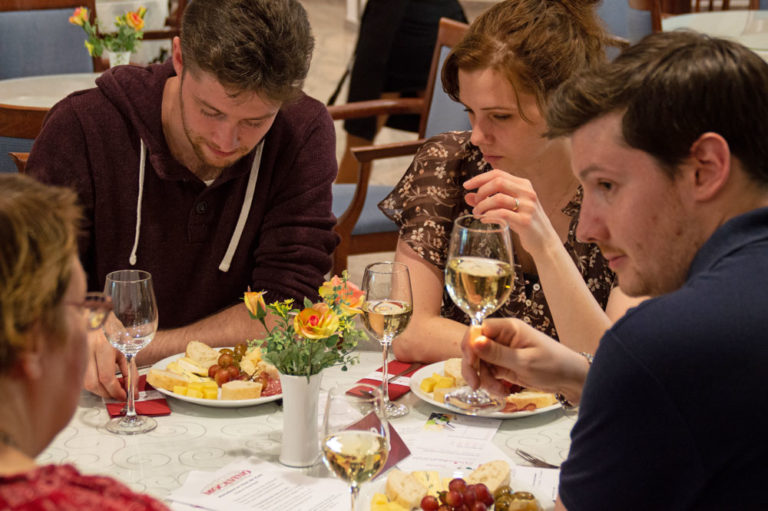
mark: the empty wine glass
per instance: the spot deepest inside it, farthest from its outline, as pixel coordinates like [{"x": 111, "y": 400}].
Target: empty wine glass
[
  {"x": 386, "y": 312},
  {"x": 355, "y": 435},
  {"x": 478, "y": 276},
  {"x": 130, "y": 327}
]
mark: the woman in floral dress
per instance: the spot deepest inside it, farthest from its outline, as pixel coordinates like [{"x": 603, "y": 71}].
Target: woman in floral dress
[{"x": 513, "y": 57}]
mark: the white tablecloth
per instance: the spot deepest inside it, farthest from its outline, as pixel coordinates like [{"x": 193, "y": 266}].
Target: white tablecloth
[{"x": 749, "y": 28}]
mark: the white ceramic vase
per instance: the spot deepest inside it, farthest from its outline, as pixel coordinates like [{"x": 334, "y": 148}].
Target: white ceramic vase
[
  {"x": 118, "y": 58},
  {"x": 300, "y": 445}
]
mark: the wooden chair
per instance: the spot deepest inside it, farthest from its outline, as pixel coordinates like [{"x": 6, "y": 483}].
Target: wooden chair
[{"x": 360, "y": 225}]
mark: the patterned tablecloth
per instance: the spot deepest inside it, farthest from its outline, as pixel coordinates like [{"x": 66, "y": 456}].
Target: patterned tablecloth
[{"x": 196, "y": 437}]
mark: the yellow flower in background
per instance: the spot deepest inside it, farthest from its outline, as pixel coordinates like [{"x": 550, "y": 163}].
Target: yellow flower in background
[
  {"x": 79, "y": 17},
  {"x": 316, "y": 322},
  {"x": 254, "y": 302},
  {"x": 89, "y": 47},
  {"x": 348, "y": 296},
  {"x": 135, "y": 19}
]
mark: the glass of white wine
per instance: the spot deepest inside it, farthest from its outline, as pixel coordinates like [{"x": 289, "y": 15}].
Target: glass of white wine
[
  {"x": 129, "y": 327},
  {"x": 386, "y": 313},
  {"x": 478, "y": 276},
  {"x": 355, "y": 435}
]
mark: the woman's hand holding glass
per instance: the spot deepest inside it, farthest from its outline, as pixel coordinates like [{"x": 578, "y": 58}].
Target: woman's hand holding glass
[{"x": 501, "y": 195}]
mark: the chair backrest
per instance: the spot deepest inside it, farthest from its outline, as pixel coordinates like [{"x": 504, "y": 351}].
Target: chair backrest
[
  {"x": 631, "y": 19},
  {"x": 37, "y": 39},
  {"x": 441, "y": 112}
]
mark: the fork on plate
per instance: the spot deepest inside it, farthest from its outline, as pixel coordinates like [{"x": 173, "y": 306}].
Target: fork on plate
[{"x": 534, "y": 460}]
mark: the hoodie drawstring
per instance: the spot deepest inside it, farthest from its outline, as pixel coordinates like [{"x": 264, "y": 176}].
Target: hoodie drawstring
[
  {"x": 142, "y": 165},
  {"x": 244, "y": 210}
]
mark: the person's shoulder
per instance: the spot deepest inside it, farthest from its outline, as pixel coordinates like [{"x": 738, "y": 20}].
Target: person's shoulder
[{"x": 303, "y": 110}]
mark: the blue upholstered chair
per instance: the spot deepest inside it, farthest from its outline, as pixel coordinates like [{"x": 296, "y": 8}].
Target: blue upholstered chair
[
  {"x": 361, "y": 226},
  {"x": 630, "y": 20},
  {"x": 36, "y": 38}
]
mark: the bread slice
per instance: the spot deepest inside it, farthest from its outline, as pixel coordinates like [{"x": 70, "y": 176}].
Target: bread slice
[
  {"x": 529, "y": 399},
  {"x": 404, "y": 489},
  {"x": 162, "y": 379},
  {"x": 453, "y": 368},
  {"x": 202, "y": 354},
  {"x": 239, "y": 389},
  {"x": 493, "y": 474}
]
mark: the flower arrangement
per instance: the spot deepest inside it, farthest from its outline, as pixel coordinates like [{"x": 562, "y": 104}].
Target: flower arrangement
[
  {"x": 129, "y": 31},
  {"x": 304, "y": 342}
]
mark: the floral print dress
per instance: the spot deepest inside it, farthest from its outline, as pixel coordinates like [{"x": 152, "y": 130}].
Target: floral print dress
[{"x": 430, "y": 196}]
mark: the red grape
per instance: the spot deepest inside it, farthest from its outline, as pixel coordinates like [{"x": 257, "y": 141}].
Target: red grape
[
  {"x": 234, "y": 372},
  {"x": 429, "y": 503},
  {"x": 226, "y": 360},
  {"x": 483, "y": 495},
  {"x": 479, "y": 506},
  {"x": 222, "y": 377},
  {"x": 469, "y": 495},
  {"x": 213, "y": 370},
  {"x": 454, "y": 498},
  {"x": 458, "y": 484}
]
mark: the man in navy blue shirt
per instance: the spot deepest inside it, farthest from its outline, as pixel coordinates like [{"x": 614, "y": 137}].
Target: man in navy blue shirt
[{"x": 670, "y": 143}]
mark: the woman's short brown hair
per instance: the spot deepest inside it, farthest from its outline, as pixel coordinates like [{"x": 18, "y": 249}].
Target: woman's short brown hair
[
  {"x": 536, "y": 44},
  {"x": 249, "y": 45},
  {"x": 38, "y": 238}
]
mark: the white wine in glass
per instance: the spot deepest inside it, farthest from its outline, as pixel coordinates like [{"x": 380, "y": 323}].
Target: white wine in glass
[
  {"x": 478, "y": 276},
  {"x": 130, "y": 326},
  {"x": 387, "y": 311},
  {"x": 355, "y": 435}
]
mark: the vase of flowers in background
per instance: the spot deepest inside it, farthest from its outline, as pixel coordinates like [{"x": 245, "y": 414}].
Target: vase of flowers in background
[
  {"x": 118, "y": 45},
  {"x": 302, "y": 343}
]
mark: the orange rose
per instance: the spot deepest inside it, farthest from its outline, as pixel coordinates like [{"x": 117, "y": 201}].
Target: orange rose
[
  {"x": 316, "y": 322},
  {"x": 135, "y": 20},
  {"x": 348, "y": 296},
  {"x": 79, "y": 17},
  {"x": 254, "y": 302}
]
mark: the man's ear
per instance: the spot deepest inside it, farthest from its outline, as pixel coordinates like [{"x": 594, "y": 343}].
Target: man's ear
[
  {"x": 178, "y": 62},
  {"x": 711, "y": 164}
]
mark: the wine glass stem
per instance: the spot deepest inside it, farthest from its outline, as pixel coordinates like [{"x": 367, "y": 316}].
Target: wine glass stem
[
  {"x": 131, "y": 409},
  {"x": 354, "y": 490},
  {"x": 385, "y": 370}
]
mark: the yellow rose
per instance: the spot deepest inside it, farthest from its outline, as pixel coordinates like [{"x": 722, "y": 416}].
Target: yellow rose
[
  {"x": 316, "y": 322},
  {"x": 89, "y": 47},
  {"x": 349, "y": 297},
  {"x": 79, "y": 17},
  {"x": 134, "y": 20},
  {"x": 254, "y": 302}
]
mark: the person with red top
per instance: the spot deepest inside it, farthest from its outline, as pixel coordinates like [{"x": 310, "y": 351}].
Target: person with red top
[
  {"x": 43, "y": 318},
  {"x": 212, "y": 171}
]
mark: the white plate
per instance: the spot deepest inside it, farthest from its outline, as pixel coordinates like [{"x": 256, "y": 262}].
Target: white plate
[
  {"x": 216, "y": 403},
  {"x": 367, "y": 490},
  {"x": 437, "y": 367}
]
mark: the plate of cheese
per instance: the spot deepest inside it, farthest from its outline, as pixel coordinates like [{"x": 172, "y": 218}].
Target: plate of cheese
[
  {"x": 184, "y": 376},
  {"x": 431, "y": 384},
  {"x": 405, "y": 491}
]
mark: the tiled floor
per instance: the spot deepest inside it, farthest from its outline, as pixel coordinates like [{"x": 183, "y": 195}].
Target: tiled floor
[{"x": 334, "y": 43}]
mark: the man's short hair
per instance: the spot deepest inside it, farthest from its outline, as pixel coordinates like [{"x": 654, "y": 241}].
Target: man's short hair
[
  {"x": 39, "y": 227},
  {"x": 260, "y": 46},
  {"x": 673, "y": 87}
]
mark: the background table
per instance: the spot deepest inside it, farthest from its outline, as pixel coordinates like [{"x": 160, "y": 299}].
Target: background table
[
  {"x": 749, "y": 28},
  {"x": 196, "y": 437}
]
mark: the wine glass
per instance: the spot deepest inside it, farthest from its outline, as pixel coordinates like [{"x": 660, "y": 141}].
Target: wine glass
[
  {"x": 355, "y": 435},
  {"x": 478, "y": 276},
  {"x": 130, "y": 327},
  {"x": 386, "y": 312}
]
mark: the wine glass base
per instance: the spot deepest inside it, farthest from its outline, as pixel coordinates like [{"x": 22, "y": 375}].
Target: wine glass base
[
  {"x": 474, "y": 402},
  {"x": 135, "y": 425},
  {"x": 396, "y": 409}
]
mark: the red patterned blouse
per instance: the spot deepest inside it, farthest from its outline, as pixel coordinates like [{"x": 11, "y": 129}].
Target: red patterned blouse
[{"x": 63, "y": 488}]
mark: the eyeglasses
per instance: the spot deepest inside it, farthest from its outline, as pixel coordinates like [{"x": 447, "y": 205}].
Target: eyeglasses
[{"x": 96, "y": 307}]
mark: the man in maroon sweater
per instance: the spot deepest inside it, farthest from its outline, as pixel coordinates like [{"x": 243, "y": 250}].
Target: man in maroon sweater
[{"x": 212, "y": 171}]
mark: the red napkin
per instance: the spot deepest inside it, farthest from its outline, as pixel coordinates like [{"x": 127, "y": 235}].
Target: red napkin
[
  {"x": 398, "y": 451},
  {"x": 395, "y": 389},
  {"x": 151, "y": 406}
]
